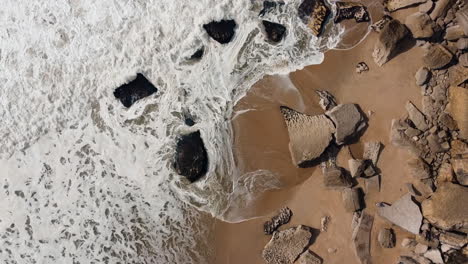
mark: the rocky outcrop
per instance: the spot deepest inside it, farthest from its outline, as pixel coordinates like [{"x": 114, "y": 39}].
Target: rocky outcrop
[
  {"x": 420, "y": 25},
  {"x": 286, "y": 246},
  {"x": 135, "y": 90},
  {"x": 386, "y": 238},
  {"x": 283, "y": 217},
  {"x": 393, "y": 5},
  {"x": 356, "y": 167},
  {"x": 191, "y": 158},
  {"x": 418, "y": 118},
  {"x": 309, "y": 136},
  {"x": 222, "y": 31},
  {"x": 387, "y": 46},
  {"x": 446, "y": 209},
  {"x": 314, "y": 14},
  {"x": 309, "y": 257},
  {"x": 404, "y": 213},
  {"x": 351, "y": 10},
  {"x": 361, "y": 237},
  {"x": 348, "y": 120},
  {"x": 437, "y": 56},
  {"x": 275, "y": 32},
  {"x": 458, "y": 108}
]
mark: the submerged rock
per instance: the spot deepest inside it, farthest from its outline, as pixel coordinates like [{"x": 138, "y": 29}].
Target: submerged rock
[
  {"x": 309, "y": 136},
  {"x": 283, "y": 217},
  {"x": 314, "y": 13},
  {"x": 275, "y": 32},
  {"x": 404, "y": 213},
  {"x": 222, "y": 31},
  {"x": 387, "y": 46},
  {"x": 446, "y": 209},
  {"x": 191, "y": 158},
  {"x": 393, "y": 5},
  {"x": 351, "y": 10},
  {"x": 361, "y": 237},
  {"x": 309, "y": 257},
  {"x": 348, "y": 120},
  {"x": 285, "y": 246},
  {"x": 386, "y": 238},
  {"x": 135, "y": 90},
  {"x": 437, "y": 56}
]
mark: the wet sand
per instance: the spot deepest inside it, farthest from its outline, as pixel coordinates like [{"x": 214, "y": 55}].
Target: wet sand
[{"x": 261, "y": 142}]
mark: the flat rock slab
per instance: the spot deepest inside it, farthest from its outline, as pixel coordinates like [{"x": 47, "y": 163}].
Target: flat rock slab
[
  {"x": 348, "y": 121},
  {"x": 387, "y": 46},
  {"x": 335, "y": 178},
  {"x": 191, "y": 158},
  {"x": 372, "y": 151},
  {"x": 447, "y": 207},
  {"x": 418, "y": 169},
  {"x": 393, "y": 5},
  {"x": 404, "y": 213},
  {"x": 356, "y": 167},
  {"x": 386, "y": 238},
  {"x": 222, "y": 31},
  {"x": 309, "y": 257},
  {"x": 458, "y": 98},
  {"x": 437, "y": 56},
  {"x": 361, "y": 237},
  {"x": 416, "y": 116},
  {"x": 309, "y": 136},
  {"x": 420, "y": 25},
  {"x": 314, "y": 14},
  {"x": 351, "y": 199},
  {"x": 283, "y": 217},
  {"x": 135, "y": 90},
  {"x": 275, "y": 32},
  {"x": 351, "y": 10},
  {"x": 286, "y": 246}
]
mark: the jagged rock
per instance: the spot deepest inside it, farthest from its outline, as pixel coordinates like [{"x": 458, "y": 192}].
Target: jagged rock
[
  {"x": 393, "y": 5},
  {"x": 269, "y": 6},
  {"x": 386, "y": 238},
  {"x": 351, "y": 10},
  {"x": 372, "y": 184},
  {"x": 370, "y": 170},
  {"x": 463, "y": 59},
  {"x": 348, "y": 121},
  {"x": 457, "y": 75},
  {"x": 335, "y": 178},
  {"x": 324, "y": 223},
  {"x": 462, "y": 44},
  {"x": 356, "y": 167},
  {"x": 418, "y": 118},
  {"x": 314, "y": 14},
  {"x": 309, "y": 136},
  {"x": 404, "y": 213},
  {"x": 426, "y": 7},
  {"x": 440, "y": 9},
  {"x": 446, "y": 209},
  {"x": 135, "y": 90},
  {"x": 437, "y": 56},
  {"x": 191, "y": 159},
  {"x": 406, "y": 260},
  {"x": 283, "y": 217},
  {"x": 453, "y": 239},
  {"x": 327, "y": 100},
  {"x": 462, "y": 19},
  {"x": 351, "y": 199},
  {"x": 420, "y": 25},
  {"x": 285, "y": 246},
  {"x": 412, "y": 132},
  {"x": 275, "y": 32},
  {"x": 447, "y": 121},
  {"x": 422, "y": 76},
  {"x": 435, "y": 256},
  {"x": 434, "y": 145},
  {"x": 361, "y": 67},
  {"x": 398, "y": 137},
  {"x": 222, "y": 31},
  {"x": 454, "y": 33},
  {"x": 459, "y": 109},
  {"x": 421, "y": 248},
  {"x": 198, "y": 54},
  {"x": 445, "y": 173},
  {"x": 361, "y": 237},
  {"x": 308, "y": 257},
  {"x": 372, "y": 151},
  {"x": 387, "y": 46},
  {"x": 460, "y": 166}
]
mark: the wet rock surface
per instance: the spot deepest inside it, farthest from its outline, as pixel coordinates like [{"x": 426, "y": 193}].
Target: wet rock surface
[
  {"x": 275, "y": 32},
  {"x": 351, "y": 10},
  {"x": 191, "y": 159},
  {"x": 387, "y": 45},
  {"x": 222, "y": 31},
  {"x": 286, "y": 246},
  {"x": 283, "y": 217},
  {"x": 314, "y": 14},
  {"x": 352, "y": 200},
  {"x": 135, "y": 90}
]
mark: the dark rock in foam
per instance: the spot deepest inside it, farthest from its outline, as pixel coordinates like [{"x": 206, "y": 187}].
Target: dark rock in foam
[
  {"x": 198, "y": 54},
  {"x": 275, "y": 32},
  {"x": 269, "y": 6},
  {"x": 351, "y": 10},
  {"x": 222, "y": 31},
  {"x": 191, "y": 158},
  {"x": 314, "y": 14},
  {"x": 135, "y": 90}
]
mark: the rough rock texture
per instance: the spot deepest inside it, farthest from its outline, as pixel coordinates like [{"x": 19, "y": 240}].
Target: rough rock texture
[
  {"x": 348, "y": 121},
  {"x": 372, "y": 151},
  {"x": 386, "y": 238},
  {"x": 314, "y": 13},
  {"x": 285, "y": 246},
  {"x": 459, "y": 109},
  {"x": 379, "y": 25},
  {"x": 222, "y": 31},
  {"x": 135, "y": 90},
  {"x": 457, "y": 75},
  {"x": 309, "y": 136},
  {"x": 308, "y": 257},
  {"x": 400, "y": 139},
  {"x": 418, "y": 118},
  {"x": 437, "y": 56},
  {"x": 435, "y": 256},
  {"x": 422, "y": 76},
  {"x": 361, "y": 67},
  {"x": 356, "y": 167},
  {"x": 275, "y": 32},
  {"x": 446, "y": 208},
  {"x": 453, "y": 239},
  {"x": 335, "y": 178},
  {"x": 191, "y": 159},
  {"x": 327, "y": 100},
  {"x": 386, "y": 46},
  {"x": 462, "y": 44},
  {"x": 462, "y": 19},
  {"x": 406, "y": 260},
  {"x": 420, "y": 25},
  {"x": 361, "y": 237},
  {"x": 283, "y": 217},
  {"x": 393, "y": 5},
  {"x": 404, "y": 213},
  {"x": 440, "y": 9},
  {"x": 351, "y": 10},
  {"x": 460, "y": 166},
  {"x": 351, "y": 199},
  {"x": 454, "y": 33},
  {"x": 418, "y": 169}
]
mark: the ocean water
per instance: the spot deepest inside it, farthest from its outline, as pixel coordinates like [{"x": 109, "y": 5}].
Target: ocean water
[{"x": 85, "y": 180}]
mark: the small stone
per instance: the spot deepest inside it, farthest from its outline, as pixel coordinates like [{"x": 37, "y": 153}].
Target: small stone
[
  {"x": 332, "y": 250},
  {"x": 435, "y": 256},
  {"x": 134, "y": 90},
  {"x": 420, "y": 249},
  {"x": 361, "y": 67},
  {"x": 386, "y": 238},
  {"x": 445, "y": 145},
  {"x": 370, "y": 171},
  {"x": 324, "y": 223},
  {"x": 442, "y": 134},
  {"x": 351, "y": 199},
  {"x": 403, "y": 213},
  {"x": 309, "y": 257},
  {"x": 437, "y": 56},
  {"x": 422, "y": 76}
]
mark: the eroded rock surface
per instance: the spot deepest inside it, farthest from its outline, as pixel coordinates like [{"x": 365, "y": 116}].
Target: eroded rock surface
[
  {"x": 286, "y": 246},
  {"x": 283, "y": 217},
  {"x": 135, "y": 90},
  {"x": 361, "y": 237},
  {"x": 222, "y": 31},
  {"x": 386, "y": 238},
  {"x": 393, "y": 5},
  {"x": 309, "y": 257},
  {"x": 437, "y": 56},
  {"x": 191, "y": 158},
  {"x": 351, "y": 10},
  {"x": 314, "y": 13},
  {"x": 404, "y": 213},
  {"x": 387, "y": 46},
  {"x": 348, "y": 121}
]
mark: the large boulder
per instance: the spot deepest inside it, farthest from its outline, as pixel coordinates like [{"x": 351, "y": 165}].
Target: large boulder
[
  {"x": 437, "y": 56},
  {"x": 393, "y": 5},
  {"x": 351, "y": 10},
  {"x": 275, "y": 32},
  {"x": 283, "y": 217},
  {"x": 314, "y": 14},
  {"x": 420, "y": 25},
  {"x": 222, "y": 31},
  {"x": 309, "y": 136},
  {"x": 191, "y": 158},
  {"x": 285, "y": 246},
  {"x": 387, "y": 46},
  {"x": 361, "y": 237},
  {"x": 416, "y": 117},
  {"x": 458, "y": 107},
  {"x": 447, "y": 208},
  {"x": 404, "y": 213},
  {"x": 349, "y": 122},
  {"x": 135, "y": 90}
]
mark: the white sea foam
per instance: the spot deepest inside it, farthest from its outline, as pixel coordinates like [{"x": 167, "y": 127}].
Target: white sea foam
[{"x": 84, "y": 179}]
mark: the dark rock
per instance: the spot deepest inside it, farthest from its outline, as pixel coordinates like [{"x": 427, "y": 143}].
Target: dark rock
[
  {"x": 386, "y": 238},
  {"x": 370, "y": 170},
  {"x": 221, "y": 31},
  {"x": 198, "y": 54},
  {"x": 135, "y": 90},
  {"x": 351, "y": 10},
  {"x": 457, "y": 257},
  {"x": 349, "y": 122},
  {"x": 406, "y": 260},
  {"x": 379, "y": 25},
  {"x": 314, "y": 13},
  {"x": 275, "y": 32},
  {"x": 283, "y": 217},
  {"x": 285, "y": 246},
  {"x": 268, "y": 6},
  {"x": 361, "y": 67},
  {"x": 191, "y": 158},
  {"x": 387, "y": 46},
  {"x": 189, "y": 121}
]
